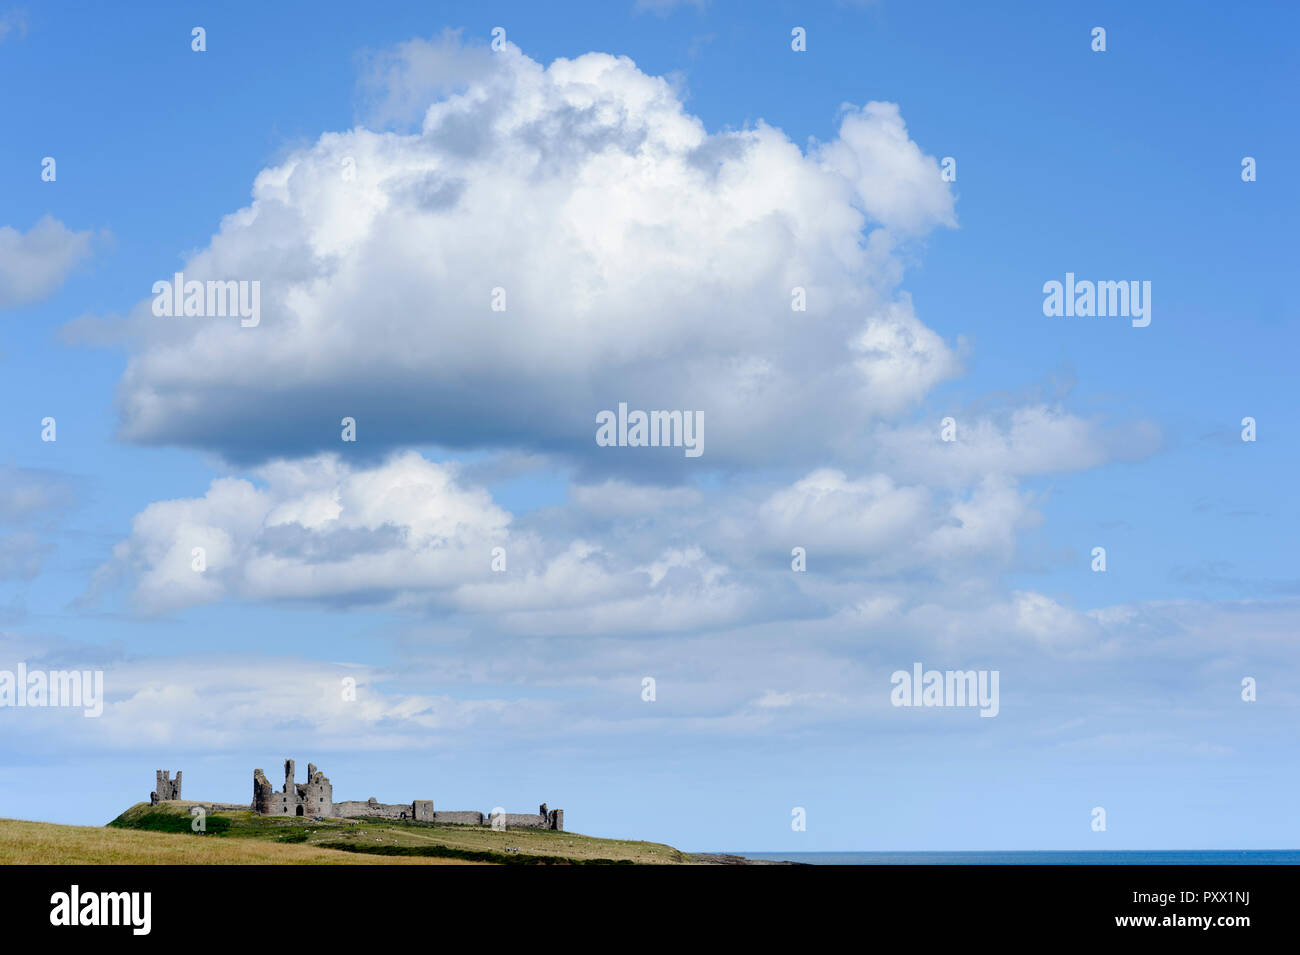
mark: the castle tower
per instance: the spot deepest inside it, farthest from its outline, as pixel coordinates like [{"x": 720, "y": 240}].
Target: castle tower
[
  {"x": 317, "y": 793},
  {"x": 265, "y": 802},
  {"x": 165, "y": 787}
]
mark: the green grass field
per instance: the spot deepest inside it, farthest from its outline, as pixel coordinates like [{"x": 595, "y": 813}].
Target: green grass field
[{"x": 162, "y": 834}]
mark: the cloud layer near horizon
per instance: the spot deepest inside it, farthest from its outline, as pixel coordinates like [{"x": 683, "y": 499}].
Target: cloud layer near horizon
[{"x": 1070, "y": 683}]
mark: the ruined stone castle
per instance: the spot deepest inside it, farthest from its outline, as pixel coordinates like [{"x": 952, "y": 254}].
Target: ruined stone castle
[{"x": 315, "y": 798}]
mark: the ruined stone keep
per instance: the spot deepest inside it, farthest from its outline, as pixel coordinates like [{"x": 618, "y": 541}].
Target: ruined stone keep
[{"x": 313, "y": 798}]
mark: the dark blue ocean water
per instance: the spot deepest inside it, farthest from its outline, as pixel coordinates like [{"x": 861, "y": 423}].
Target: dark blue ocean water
[{"x": 1049, "y": 857}]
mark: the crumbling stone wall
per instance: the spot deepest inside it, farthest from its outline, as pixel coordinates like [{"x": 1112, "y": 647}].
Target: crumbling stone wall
[
  {"x": 372, "y": 807},
  {"x": 554, "y": 819},
  {"x": 522, "y": 820}
]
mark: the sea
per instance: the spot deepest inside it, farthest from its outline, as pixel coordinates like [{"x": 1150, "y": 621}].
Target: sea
[{"x": 1045, "y": 857}]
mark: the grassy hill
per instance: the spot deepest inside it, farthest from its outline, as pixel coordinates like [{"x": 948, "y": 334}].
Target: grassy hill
[
  {"x": 378, "y": 839},
  {"x": 161, "y": 834},
  {"x": 44, "y": 843}
]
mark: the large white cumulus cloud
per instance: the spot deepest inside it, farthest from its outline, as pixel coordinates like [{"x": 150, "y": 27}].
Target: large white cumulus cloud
[{"x": 643, "y": 260}]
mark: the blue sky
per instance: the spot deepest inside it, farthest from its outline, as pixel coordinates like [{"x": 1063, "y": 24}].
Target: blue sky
[{"x": 1119, "y": 689}]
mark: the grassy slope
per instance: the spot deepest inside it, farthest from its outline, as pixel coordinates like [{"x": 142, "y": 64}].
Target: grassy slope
[
  {"x": 44, "y": 843},
  {"x": 380, "y": 840}
]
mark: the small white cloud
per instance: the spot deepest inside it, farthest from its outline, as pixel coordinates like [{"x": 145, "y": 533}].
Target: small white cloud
[
  {"x": 13, "y": 23},
  {"x": 35, "y": 263}
]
